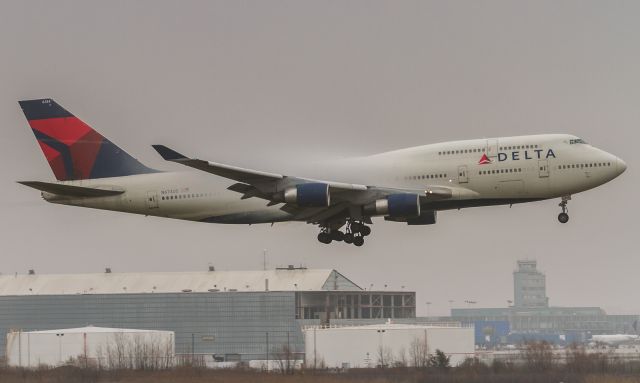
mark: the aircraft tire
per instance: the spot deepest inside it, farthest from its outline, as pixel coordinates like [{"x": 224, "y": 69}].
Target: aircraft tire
[
  {"x": 337, "y": 235},
  {"x": 348, "y": 238},
  {"x": 358, "y": 241},
  {"x": 324, "y": 238},
  {"x": 365, "y": 230},
  {"x": 563, "y": 217}
]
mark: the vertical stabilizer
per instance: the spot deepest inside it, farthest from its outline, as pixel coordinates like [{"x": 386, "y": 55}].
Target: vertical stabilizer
[{"x": 73, "y": 149}]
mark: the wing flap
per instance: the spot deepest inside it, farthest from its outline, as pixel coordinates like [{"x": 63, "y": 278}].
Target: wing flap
[{"x": 71, "y": 190}]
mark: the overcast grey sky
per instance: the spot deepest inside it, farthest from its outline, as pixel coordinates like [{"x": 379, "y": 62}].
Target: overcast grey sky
[{"x": 268, "y": 84}]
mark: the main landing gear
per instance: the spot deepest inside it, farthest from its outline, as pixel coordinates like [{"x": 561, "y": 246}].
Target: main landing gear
[
  {"x": 564, "y": 217},
  {"x": 354, "y": 234}
]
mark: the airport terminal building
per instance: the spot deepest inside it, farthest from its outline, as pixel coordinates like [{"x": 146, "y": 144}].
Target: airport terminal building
[
  {"x": 229, "y": 315},
  {"x": 530, "y": 317}
]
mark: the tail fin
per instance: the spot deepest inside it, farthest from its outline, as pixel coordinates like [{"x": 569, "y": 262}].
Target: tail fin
[{"x": 74, "y": 150}]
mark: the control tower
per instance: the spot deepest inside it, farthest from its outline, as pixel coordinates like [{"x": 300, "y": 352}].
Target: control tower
[{"x": 529, "y": 286}]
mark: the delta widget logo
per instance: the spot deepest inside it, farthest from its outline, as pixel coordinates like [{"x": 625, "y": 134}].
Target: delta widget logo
[
  {"x": 484, "y": 160},
  {"x": 538, "y": 154}
]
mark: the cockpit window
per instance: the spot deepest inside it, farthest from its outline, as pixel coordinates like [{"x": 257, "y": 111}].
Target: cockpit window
[{"x": 577, "y": 141}]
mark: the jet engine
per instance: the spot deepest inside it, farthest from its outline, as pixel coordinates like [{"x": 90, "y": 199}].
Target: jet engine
[
  {"x": 308, "y": 195},
  {"x": 395, "y": 206}
]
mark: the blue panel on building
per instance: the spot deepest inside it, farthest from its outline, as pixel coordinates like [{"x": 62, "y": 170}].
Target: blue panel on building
[{"x": 491, "y": 332}]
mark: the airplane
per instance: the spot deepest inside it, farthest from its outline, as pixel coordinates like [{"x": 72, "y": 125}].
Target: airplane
[
  {"x": 615, "y": 339},
  {"x": 408, "y": 185}
]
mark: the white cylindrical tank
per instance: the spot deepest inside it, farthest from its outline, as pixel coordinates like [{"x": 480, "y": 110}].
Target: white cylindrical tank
[
  {"x": 99, "y": 346},
  {"x": 373, "y": 345}
]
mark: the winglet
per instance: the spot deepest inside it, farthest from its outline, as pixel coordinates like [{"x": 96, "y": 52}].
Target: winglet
[{"x": 168, "y": 154}]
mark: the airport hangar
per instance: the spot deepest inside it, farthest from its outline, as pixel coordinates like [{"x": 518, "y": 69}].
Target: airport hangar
[{"x": 230, "y": 315}]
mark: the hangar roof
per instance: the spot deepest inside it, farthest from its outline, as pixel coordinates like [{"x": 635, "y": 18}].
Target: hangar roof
[
  {"x": 92, "y": 329},
  {"x": 290, "y": 279}
]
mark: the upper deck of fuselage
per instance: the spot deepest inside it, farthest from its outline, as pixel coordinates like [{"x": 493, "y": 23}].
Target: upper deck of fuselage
[{"x": 475, "y": 146}]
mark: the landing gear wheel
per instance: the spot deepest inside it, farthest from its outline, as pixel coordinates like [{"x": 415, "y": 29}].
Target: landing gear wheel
[
  {"x": 337, "y": 235},
  {"x": 358, "y": 241},
  {"x": 356, "y": 227},
  {"x": 365, "y": 230},
  {"x": 324, "y": 237},
  {"x": 563, "y": 217},
  {"x": 348, "y": 238}
]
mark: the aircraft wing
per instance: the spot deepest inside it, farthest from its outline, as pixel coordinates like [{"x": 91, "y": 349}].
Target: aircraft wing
[
  {"x": 346, "y": 200},
  {"x": 246, "y": 176}
]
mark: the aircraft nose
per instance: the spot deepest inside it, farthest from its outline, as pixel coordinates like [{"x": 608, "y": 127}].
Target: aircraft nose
[{"x": 621, "y": 166}]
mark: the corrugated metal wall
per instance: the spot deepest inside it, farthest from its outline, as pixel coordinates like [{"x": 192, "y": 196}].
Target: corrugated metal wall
[{"x": 221, "y": 323}]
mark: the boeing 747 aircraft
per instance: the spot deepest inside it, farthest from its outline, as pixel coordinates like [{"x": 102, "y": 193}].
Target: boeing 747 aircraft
[{"x": 408, "y": 185}]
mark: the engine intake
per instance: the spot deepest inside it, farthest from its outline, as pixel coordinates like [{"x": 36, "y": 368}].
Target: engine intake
[
  {"x": 308, "y": 195},
  {"x": 396, "y": 206}
]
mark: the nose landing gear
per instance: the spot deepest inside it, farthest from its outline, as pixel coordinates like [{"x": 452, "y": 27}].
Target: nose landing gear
[{"x": 564, "y": 217}]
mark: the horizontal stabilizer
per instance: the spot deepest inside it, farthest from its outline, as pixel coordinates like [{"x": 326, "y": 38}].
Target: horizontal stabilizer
[{"x": 70, "y": 190}]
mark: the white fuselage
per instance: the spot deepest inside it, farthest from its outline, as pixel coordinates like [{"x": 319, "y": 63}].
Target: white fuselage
[{"x": 516, "y": 169}]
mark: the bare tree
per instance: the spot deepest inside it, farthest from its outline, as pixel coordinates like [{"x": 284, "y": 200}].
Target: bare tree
[
  {"x": 538, "y": 356},
  {"x": 419, "y": 352},
  {"x": 401, "y": 360},
  {"x": 140, "y": 353},
  {"x": 385, "y": 356},
  {"x": 580, "y": 361},
  {"x": 285, "y": 360}
]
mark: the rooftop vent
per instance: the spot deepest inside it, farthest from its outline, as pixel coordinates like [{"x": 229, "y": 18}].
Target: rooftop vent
[
  {"x": 32, "y": 272},
  {"x": 291, "y": 267},
  {"x": 212, "y": 268},
  {"x": 107, "y": 270}
]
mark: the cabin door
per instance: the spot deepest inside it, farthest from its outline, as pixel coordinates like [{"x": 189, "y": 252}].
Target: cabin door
[{"x": 152, "y": 200}]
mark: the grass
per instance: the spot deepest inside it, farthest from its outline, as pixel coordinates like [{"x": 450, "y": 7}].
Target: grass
[{"x": 195, "y": 375}]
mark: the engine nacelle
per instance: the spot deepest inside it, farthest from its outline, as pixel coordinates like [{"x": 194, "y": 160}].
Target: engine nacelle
[
  {"x": 308, "y": 195},
  {"x": 396, "y": 206}
]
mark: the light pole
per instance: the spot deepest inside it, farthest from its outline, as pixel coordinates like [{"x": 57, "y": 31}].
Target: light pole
[{"x": 60, "y": 347}]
